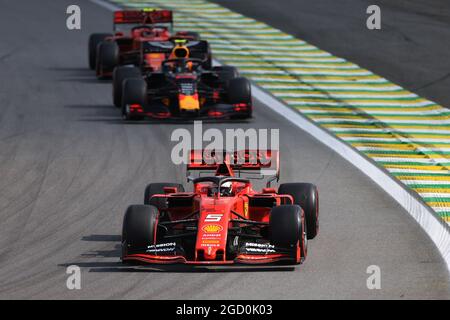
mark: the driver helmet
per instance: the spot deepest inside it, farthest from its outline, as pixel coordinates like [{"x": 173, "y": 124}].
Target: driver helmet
[
  {"x": 181, "y": 52},
  {"x": 142, "y": 31},
  {"x": 225, "y": 189}
]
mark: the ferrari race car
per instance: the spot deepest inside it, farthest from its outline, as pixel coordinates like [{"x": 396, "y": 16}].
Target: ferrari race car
[
  {"x": 182, "y": 90},
  {"x": 223, "y": 220},
  {"x": 131, "y": 28}
]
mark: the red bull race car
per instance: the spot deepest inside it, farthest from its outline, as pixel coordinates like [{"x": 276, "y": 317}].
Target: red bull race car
[
  {"x": 224, "y": 220},
  {"x": 152, "y": 55},
  {"x": 131, "y": 29},
  {"x": 183, "y": 89}
]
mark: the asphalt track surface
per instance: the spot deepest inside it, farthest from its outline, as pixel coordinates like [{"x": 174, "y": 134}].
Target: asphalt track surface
[{"x": 69, "y": 167}]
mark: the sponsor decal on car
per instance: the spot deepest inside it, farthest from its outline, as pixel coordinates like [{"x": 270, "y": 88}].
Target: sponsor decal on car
[
  {"x": 162, "y": 247},
  {"x": 259, "y": 245},
  {"x": 213, "y": 217},
  {"x": 210, "y": 243},
  {"x": 212, "y": 228},
  {"x": 265, "y": 251},
  {"x": 211, "y": 235},
  {"x": 265, "y": 248}
]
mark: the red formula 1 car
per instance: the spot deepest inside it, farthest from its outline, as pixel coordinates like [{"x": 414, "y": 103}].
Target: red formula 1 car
[
  {"x": 223, "y": 220},
  {"x": 131, "y": 28}
]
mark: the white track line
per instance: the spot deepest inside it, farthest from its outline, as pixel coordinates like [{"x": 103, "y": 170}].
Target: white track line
[{"x": 431, "y": 223}]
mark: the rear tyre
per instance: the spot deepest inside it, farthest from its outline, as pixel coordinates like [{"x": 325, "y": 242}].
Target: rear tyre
[
  {"x": 226, "y": 73},
  {"x": 120, "y": 74},
  {"x": 305, "y": 195},
  {"x": 195, "y": 36},
  {"x": 134, "y": 92},
  {"x": 158, "y": 188},
  {"x": 239, "y": 91},
  {"x": 107, "y": 57},
  {"x": 207, "y": 65},
  {"x": 139, "y": 228},
  {"x": 287, "y": 230},
  {"x": 94, "y": 40}
]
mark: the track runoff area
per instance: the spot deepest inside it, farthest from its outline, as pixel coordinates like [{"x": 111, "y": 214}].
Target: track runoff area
[{"x": 399, "y": 139}]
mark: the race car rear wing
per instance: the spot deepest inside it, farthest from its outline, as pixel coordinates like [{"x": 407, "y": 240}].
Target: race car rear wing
[
  {"x": 198, "y": 49},
  {"x": 145, "y": 16},
  {"x": 262, "y": 162}
]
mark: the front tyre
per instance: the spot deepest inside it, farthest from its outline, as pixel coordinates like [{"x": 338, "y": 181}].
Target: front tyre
[
  {"x": 94, "y": 41},
  {"x": 305, "y": 195},
  {"x": 240, "y": 93},
  {"x": 134, "y": 94},
  {"x": 287, "y": 230},
  {"x": 107, "y": 58},
  {"x": 139, "y": 228},
  {"x": 120, "y": 74}
]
